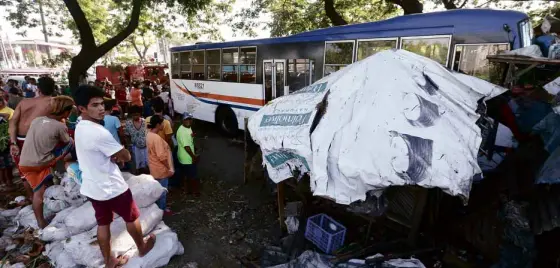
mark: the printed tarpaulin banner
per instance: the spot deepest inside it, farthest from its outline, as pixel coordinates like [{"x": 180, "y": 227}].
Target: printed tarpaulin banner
[{"x": 395, "y": 118}]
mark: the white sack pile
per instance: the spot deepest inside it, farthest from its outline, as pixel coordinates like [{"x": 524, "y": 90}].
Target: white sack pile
[
  {"x": 395, "y": 118},
  {"x": 73, "y": 231}
]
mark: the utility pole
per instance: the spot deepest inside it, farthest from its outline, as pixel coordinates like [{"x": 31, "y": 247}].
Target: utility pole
[{"x": 44, "y": 28}]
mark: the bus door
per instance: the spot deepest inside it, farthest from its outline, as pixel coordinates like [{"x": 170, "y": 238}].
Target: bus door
[{"x": 274, "y": 79}]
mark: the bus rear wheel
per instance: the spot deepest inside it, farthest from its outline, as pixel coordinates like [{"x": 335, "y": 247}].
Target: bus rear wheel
[{"x": 227, "y": 121}]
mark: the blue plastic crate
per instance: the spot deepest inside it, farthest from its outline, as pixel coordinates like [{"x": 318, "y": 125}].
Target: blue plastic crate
[{"x": 327, "y": 234}]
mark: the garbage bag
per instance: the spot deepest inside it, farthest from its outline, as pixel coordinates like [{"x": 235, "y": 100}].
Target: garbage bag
[
  {"x": 84, "y": 249},
  {"x": 54, "y": 198},
  {"x": 72, "y": 190},
  {"x": 26, "y": 217},
  {"x": 57, "y": 256},
  {"x": 167, "y": 245},
  {"x": 10, "y": 213},
  {"x": 145, "y": 190},
  {"x": 56, "y": 230}
]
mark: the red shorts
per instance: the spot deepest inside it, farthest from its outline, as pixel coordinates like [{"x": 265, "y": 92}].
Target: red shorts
[{"x": 123, "y": 205}]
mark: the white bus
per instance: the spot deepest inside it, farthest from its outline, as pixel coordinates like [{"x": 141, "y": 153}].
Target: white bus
[{"x": 227, "y": 82}]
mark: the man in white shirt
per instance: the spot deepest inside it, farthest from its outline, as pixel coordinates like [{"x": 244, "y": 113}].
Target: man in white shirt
[{"x": 102, "y": 181}]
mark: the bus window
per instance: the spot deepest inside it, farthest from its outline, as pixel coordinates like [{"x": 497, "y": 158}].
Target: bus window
[
  {"x": 471, "y": 59},
  {"x": 175, "y": 66},
  {"x": 337, "y": 55},
  {"x": 230, "y": 59},
  {"x": 248, "y": 67},
  {"x": 299, "y": 71},
  {"x": 185, "y": 61},
  {"x": 213, "y": 64},
  {"x": 435, "y": 48},
  {"x": 198, "y": 65},
  {"x": 367, "y": 48}
]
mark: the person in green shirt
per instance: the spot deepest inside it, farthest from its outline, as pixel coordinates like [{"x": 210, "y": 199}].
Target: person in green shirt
[{"x": 185, "y": 154}]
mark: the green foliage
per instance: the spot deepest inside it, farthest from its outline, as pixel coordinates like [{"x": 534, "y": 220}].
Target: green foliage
[
  {"x": 295, "y": 16},
  {"x": 64, "y": 58}
]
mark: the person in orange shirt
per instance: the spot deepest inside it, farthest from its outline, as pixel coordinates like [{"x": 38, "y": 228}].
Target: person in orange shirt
[
  {"x": 160, "y": 160},
  {"x": 136, "y": 95}
]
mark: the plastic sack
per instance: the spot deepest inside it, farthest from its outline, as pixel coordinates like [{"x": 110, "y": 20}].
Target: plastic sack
[
  {"x": 54, "y": 198},
  {"x": 10, "y": 213},
  {"x": 26, "y": 217},
  {"x": 84, "y": 249},
  {"x": 533, "y": 51},
  {"x": 145, "y": 190},
  {"x": 57, "y": 256},
  {"x": 81, "y": 219},
  {"x": 167, "y": 245},
  {"x": 56, "y": 230},
  {"x": 72, "y": 190}
]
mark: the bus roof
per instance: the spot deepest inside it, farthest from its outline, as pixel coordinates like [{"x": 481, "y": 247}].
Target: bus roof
[{"x": 435, "y": 23}]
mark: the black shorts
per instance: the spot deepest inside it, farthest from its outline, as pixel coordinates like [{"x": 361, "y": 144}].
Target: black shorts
[{"x": 188, "y": 170}]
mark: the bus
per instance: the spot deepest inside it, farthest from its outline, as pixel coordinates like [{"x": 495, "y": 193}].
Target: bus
[{"x": 227, "y": 82}]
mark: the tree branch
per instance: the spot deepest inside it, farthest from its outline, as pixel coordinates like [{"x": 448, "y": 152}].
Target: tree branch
[
  {"x": 86, "y": 34},
  {"x": 333, "y": 15},
  {"x": 409, "y": 6},
  {"x": 463, "y": 4},
  {"x": 132, "y": 25},
  {"x": 133, "y": 42},
  {"x": 449, "y": 4}
]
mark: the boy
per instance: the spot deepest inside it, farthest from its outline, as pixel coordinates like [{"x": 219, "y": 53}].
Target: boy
[
  {"x": 186, "y": 155},
  {"x": 102, "y": 181}
]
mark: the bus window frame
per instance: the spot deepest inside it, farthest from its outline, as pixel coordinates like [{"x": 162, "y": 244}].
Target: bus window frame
[
  {"x": 239, "y": 63},
  {"x": 450, "y": 36},
  {"x": 178, "y": 65},
  {"x": 452, "y": 67},
  {"x": 396, "y": 39},
  {"x": 222, "y": 64},
  {"x": 181, "y": 64},
  {"x": 213, "y": 64},
  {"x": 353, "y": 41},
  {"x": 192, "y": 65}
]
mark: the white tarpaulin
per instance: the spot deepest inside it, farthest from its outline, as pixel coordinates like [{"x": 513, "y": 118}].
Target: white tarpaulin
[{"x": 395, "y": 118}]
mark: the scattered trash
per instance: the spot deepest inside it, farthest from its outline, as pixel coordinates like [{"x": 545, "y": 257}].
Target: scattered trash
[{"x": 292, "y": 224}]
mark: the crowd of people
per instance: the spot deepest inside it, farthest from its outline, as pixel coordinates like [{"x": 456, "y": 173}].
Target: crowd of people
[{"x": 98, "y": 132}]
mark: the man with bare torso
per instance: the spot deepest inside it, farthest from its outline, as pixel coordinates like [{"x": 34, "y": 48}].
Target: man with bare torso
[{"x": 25, "y": 112}]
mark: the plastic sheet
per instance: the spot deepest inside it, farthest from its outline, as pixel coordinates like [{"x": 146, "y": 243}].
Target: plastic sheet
[{"x": 395, "y": 118}]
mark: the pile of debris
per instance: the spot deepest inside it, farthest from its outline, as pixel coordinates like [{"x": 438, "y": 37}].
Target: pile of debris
[{"x": 70, "y": 240}]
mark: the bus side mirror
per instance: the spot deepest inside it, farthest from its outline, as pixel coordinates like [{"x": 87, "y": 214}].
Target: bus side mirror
[{"x": 507, "y": 28}]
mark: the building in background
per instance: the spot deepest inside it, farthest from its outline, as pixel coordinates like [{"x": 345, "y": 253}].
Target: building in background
[{"x": 28, "y": 53}]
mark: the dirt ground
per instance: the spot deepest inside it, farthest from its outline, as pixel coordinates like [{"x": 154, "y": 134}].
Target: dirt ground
[{"x": 229, "y": 219}]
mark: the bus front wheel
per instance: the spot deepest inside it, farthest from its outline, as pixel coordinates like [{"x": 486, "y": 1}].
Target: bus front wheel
[{"x": 227, "y": 121}]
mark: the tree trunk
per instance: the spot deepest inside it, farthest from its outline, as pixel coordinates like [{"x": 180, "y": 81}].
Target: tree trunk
[
  {"x": 409, "y": 6},
  {"x": 137, "y": 49},
  {"x": 90, "y": 52},
  {"x": 333, "y": 15}
]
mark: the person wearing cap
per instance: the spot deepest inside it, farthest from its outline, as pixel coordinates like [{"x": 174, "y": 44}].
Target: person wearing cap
[{"x": 185, "y": 154}]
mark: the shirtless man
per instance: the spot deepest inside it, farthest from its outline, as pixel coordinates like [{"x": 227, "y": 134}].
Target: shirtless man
[{"x": 25, "y": 112}]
